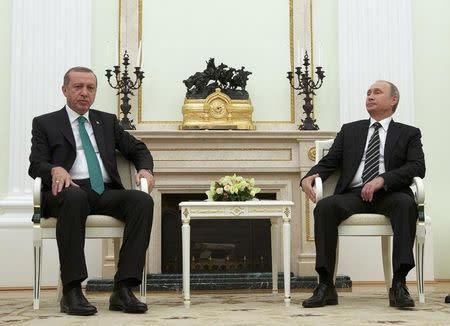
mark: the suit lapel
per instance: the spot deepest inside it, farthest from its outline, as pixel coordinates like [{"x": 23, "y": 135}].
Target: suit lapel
[
  {"x": 97, "y": 127},
  {"x": 65, "y": 127},
  {"x": 391, "y": 139}
]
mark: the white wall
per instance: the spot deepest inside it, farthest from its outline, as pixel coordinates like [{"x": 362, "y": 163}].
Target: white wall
[
  {"x": 431, "y": 85},
  {"x": 104, "y": 37},
  {"x": 247, "y": 33},
  {"x": 16, "y": 256},
  {"x": 325, "y": 31}
]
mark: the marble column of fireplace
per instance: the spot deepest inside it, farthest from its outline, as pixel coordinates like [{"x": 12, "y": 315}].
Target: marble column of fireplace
[{"x": 187, "y": 161}]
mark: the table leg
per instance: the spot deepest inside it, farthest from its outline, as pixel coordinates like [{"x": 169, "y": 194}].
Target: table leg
[
  {"x": 275, "y": 251},
  {"x": 287, "y": 260},
  {"x": 186, "y": 245}
]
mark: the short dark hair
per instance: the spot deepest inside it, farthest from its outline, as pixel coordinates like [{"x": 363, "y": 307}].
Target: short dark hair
[
  {"x": 394, "y": 92},
  {"x": 66, "y": 79}
]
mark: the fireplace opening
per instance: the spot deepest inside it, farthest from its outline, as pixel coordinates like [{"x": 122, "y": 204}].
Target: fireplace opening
[{"x": 217, "y": 246}]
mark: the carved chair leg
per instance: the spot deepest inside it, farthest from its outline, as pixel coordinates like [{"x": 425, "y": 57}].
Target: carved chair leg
[
  {"x": 143, "y": 287},
  {"x": 387, "y": 266},
  {"x": 37, "y": 246},
  {"x": 420, "y": 246}
]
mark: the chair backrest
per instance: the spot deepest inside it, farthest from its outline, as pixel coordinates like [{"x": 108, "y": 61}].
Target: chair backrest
[
  {"x": 126, "y": 171},
  {"x": 322, "y": 148}
]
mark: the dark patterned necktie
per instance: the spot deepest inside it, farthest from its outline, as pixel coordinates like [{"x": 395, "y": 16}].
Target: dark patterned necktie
[
  {"x": 372, "y": 163},
  {"x": 95, "y": 172}
]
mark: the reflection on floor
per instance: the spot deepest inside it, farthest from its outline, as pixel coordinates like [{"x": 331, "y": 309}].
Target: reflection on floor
[{"x": 366, "y": 305}]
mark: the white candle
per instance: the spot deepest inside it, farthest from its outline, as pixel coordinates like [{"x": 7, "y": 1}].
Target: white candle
[
  {"x": 299, "y": 53},
  {"x": 139, "y": 56}
]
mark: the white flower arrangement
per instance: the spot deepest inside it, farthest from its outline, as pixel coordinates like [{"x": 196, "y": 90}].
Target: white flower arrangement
[{"x": 233, "y": 188}]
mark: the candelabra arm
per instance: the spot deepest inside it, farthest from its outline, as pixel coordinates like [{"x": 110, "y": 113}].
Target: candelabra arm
[{"x": 115, "y": 87}]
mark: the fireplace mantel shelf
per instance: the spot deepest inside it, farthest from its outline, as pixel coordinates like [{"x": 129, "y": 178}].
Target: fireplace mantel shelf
[{"x": 225, "y": 134}]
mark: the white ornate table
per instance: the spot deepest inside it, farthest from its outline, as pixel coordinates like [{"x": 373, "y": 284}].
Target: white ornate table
[{"x": 275, "y": 210}]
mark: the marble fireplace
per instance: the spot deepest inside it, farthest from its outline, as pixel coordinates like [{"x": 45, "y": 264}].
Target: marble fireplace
[{"x": 187, "y": 161}]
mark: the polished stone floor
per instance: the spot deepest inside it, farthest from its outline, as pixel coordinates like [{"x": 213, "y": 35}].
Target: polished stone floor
[{"x": 366, "y": 305}]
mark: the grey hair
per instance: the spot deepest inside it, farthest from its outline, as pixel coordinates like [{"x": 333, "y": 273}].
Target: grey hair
[
  {"x": 394, "y": 92},
  {"x": 66, "y": 79}
]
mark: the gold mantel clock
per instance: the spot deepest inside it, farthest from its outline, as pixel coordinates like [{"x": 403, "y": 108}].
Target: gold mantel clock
[
  {"x": 217, "y": 111},
  {"x": 216, "y": 99}
]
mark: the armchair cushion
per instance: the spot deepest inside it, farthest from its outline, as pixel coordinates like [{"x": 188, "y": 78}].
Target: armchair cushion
[
  {"x": 91, "y": 221},
  {"x": 366, "y": 219}
]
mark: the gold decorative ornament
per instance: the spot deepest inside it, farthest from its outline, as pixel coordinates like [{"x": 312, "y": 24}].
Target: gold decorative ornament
[
  {"x": 217, "y": 111},
  {"x": 309, "y": 223},
  {"x": 312, "y": 154}
]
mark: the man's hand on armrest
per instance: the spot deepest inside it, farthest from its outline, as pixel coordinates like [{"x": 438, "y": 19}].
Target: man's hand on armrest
[
  {"x": 307, "y": 185},
  {"x": 143, "y": 173}
]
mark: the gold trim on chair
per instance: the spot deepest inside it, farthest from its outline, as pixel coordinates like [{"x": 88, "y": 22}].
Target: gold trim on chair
[{"x": 309, "y": 230}]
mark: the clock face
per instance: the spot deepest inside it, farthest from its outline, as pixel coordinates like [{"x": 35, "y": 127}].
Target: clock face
[{"x": 218, "y": 109}]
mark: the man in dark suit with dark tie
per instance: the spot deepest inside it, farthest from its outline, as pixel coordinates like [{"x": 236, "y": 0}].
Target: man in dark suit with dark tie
[
  {"x": 73, "y": 151},
  {"x": 377, "y": 158}
]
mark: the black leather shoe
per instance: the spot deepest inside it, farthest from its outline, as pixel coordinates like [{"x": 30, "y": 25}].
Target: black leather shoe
[
  {"x": 399, "y": 296},
  {"x": 447, "y": 299},
  {"x": 123, "y": 299},
  {"x": 324, "y": 294},
  {"x": 75, "y": 303}
]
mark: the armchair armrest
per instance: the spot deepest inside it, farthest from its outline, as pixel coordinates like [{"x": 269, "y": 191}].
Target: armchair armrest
[
  {"x": 319, "y": 188},
  {"x": 36, "y": 218},
  {"x": 143, "y": 186},
  {"x": 418, "y": 190}
]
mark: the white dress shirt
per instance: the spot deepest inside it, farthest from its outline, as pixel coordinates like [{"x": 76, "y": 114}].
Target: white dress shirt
[
  {"x": 79, "y": 168},
  {"x": 382, "y": 131}
]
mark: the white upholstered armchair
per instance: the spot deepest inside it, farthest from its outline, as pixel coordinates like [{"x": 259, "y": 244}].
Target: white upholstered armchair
[
  {"x": 376, "y": 224},
  {"x": 97, "y": 227}
]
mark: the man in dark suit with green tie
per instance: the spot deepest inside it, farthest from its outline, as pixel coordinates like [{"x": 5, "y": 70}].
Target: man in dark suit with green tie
[
  {"x": 74, "y": 152},
  {"x": 377, "y": 158}
]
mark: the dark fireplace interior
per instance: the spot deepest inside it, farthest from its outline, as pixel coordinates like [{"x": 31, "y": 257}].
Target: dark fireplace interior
[{"x": 217, "y": 246}]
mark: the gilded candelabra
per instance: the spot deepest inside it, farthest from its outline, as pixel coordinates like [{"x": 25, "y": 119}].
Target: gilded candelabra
[
  {"x": 307, "y": 86},
  {"x": 125, "y": 86}
]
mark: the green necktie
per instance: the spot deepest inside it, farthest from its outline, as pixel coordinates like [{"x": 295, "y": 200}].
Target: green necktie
[{"x": 95, "y": 173}]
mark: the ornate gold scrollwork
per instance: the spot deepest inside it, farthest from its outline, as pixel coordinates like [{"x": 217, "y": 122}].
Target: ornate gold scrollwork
[
  {"x": 217, "y": 108},
  {"x": 312, "y": 154},
  {"x": 185, "y": 217}
]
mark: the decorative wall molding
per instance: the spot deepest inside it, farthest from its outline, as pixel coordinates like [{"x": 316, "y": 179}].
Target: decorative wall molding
[
  {"x": 132, "y": 18},
  {"x": 18, "y": 222}
]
